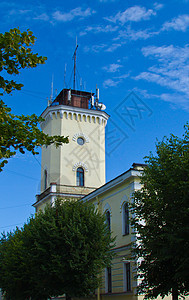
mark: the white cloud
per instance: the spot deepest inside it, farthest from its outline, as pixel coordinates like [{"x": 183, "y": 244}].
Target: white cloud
[
  {"x": 42, "y": 17},
  {"x": 69, "y": 16},
  {"x": 164, "y": 53},
  {"x": 134, "y": 35},
  {"x": 112, "y": 68},
  {"x": 113, "y": 82},
  {"x": 113, "y": 47},
  {"x": 94, "y": 48},
  {"x": 171, "y": 70},
  {"x": 110, "y": 83},
  {"x": 135, "y": 13},
  {"x": 158, "y": 6},
  {"x": 99, "y": 47},
  {"x": 105, "y": 1},
  {"x": 99, "y": 29},
  {"x": 176, "y": 99},
  {"x": 24, "y": 11},
  {"x": 181, "y": 23},
  {"x": 145, "y": 93},
  {"x": 123, "y": 76},
  {"x": 19, "y": 11}
]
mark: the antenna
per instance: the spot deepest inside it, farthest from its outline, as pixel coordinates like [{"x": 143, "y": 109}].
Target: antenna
[
  {"x": 97, "y": 93},
  {"x": 97, "y": 96},
  {"x": 74, "y": 57},
  {"x": 92, "y": 99},
  {"x": 51, "y": 97},
  {"x": 65, "y": 76},
  {"x": 69, "y": 96},
  {"x": 81, "y": 84}
]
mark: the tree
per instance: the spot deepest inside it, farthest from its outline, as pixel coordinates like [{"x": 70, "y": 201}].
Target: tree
[
  {"x": 60, "y": 251},
  {"x": 161, "y": 220},
  {"x": 19, "y": 132}
]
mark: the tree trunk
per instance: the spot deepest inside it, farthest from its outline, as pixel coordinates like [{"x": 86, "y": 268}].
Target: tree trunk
[
  {"x": 68, "y": 297},
  {"x": 174, "y": 293}
]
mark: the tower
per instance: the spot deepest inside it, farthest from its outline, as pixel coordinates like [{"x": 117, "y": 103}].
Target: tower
[{"x": 77, "y": 168}]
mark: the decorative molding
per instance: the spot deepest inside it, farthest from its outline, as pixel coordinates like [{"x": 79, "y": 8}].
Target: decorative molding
[
  {"x": 61, "y": 114},
  {"x": 81, "y": 114},
  {"x": 113, "y": 183},
  {"x": 80, "y": 164},
  {"x": 123, "y": 200},
  {"x": 107, "y": 207},
  {"x": 77, "y": 135}
]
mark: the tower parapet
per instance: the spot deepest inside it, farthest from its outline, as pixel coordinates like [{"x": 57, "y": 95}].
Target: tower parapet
[{"x": 73, "y": 98}]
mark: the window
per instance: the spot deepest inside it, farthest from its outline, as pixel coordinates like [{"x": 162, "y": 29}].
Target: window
[
  {"x": 125, "y": 219},
  {"x": 127, "y": 277},
  {"x": 108, "y": 220},
  {"x": 80, "y": 177},
  {"x": 45, "y": 179},
  {"x": 80, "y": 141},
  {"x": 108, "y": 280}
]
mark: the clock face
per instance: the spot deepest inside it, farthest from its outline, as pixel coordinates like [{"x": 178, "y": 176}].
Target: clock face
[{"x": 80, "y": 141}]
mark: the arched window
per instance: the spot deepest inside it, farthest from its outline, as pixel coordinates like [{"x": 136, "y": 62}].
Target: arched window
[
  {"x": 108, "y": 220},
  {"x": 45, "y": 179},
  {"x": 80, "y": 177},
  {"x": 125, "y": 219}
]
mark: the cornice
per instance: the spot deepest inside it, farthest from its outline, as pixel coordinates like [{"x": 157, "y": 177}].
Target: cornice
[
  {"x": 77, "y": 113},
  {"x": 72, "y": 109},
  {"x": 112, "y": 184}
]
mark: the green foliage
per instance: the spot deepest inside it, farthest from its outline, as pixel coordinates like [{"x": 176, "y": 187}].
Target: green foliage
[
  {"x": 16, "y": 54},
  {"x": 19, "y": 132},
  {"x": 161, "y": 210},
  {"x": 61, "y": 250}
]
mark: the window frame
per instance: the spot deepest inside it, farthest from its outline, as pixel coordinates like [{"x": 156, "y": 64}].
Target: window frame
[
  {"x": 45, "y": 179},
  {"x": 108, "y": 280},
  {"x": 80, "y": 177},
  {"x": 127, "y": 276},
  {"x": 125, "y": 219},
  {"x": 108, "y": 219},
  {"x": 79, "y": 139}
]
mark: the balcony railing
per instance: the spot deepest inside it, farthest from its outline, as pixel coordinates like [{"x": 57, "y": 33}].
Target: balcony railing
[{"x": 60, "y": 189}]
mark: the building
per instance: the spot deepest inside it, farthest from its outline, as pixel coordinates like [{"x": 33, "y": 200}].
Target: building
[{"x": 77, "y": 170}]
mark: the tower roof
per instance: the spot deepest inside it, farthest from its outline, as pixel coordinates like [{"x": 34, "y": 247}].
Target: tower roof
[{"x": 73, "y": 98}]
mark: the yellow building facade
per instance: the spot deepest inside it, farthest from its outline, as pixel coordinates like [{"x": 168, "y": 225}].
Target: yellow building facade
[{"x": 112, "y": 199}]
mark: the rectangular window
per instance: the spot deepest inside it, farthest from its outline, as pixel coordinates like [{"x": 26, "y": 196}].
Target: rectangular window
[
  {"x": 108, "y": 280},
  {"x": 127, "y": 277}
]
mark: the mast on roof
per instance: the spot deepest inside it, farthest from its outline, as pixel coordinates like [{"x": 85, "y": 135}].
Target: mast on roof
[
  {"x": 65, "y": 75},
  {"x": 74, "y": 58},
  {"x": 52, "y": 83}
]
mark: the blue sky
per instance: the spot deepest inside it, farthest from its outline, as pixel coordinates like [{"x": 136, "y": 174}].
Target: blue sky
[{"x": 138, "y": 55}]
